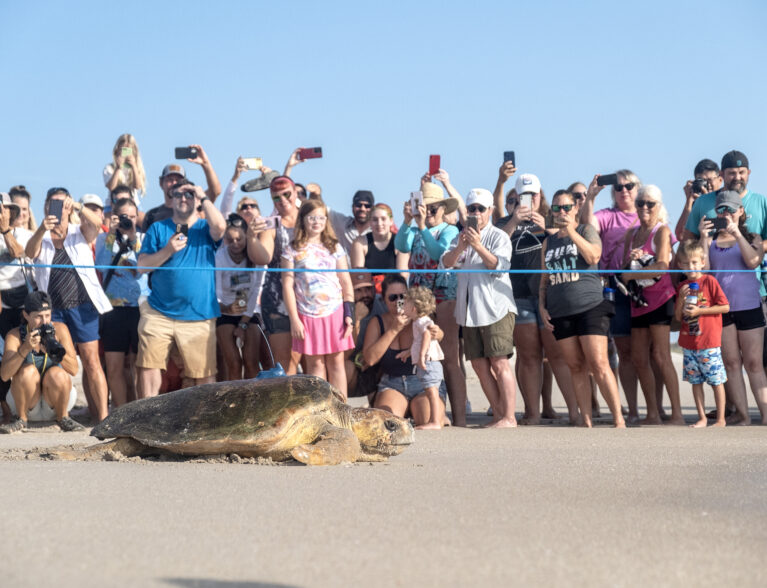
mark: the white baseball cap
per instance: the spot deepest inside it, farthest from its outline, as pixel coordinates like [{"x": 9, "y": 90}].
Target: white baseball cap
[
  {"x": 480, "y": 196},
  {"x": 92, "y": 199},
  {"x": 528, "y": 183}
]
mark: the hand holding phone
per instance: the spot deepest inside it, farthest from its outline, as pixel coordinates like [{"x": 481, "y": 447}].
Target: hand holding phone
[
  {"x": 271, "y": 222},
  {"x": 509, "y": 156},
  {"x": 434, "y": 164},
  {"x": 472, "y": 222},
  {"x": 182, "y": 229},
  {"x": 253, "y": 163},
  {"x": 416, "y": 200},
  {"x": 186, "y": 152},
  {"x": 310, "y": 153},
  {"x": 607, "y": 180},
  {"x": 526, "y": 201},
  {"x": 56, "y": 208},
  {"x": 720, "y": 224},
  {"x": 126, "y": 151}
]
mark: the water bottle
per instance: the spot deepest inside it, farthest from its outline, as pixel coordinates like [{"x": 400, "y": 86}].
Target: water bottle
[
  {"x": 692, "y": 298},
  {"x": 609, "y": 294}
]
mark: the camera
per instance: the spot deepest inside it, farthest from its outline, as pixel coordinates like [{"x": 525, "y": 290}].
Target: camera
[
  {"x": 53, "y": 348},
  {"x": 698, "y": 185},
  {"x": 124, "y": 223}
]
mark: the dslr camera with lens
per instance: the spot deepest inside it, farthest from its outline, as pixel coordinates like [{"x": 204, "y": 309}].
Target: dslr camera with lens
[
  {"x": 698, "y": 185},
  {"x": 53, "y": 348}
]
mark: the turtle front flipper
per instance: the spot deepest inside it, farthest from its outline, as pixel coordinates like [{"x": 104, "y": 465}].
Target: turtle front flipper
[{"x": 332, "y": 446}]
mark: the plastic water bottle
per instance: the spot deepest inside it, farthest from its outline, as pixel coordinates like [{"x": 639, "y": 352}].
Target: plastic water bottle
[
  {"x": 693, "y": 325},
  {"x": 609, "y": 294}
]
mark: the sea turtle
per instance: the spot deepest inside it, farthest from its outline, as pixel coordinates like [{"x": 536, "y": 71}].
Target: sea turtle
[{"x": 302, "y": 417}]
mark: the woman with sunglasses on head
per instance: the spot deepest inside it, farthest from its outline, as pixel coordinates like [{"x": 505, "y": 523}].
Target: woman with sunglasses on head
[
  {"x": 265, "y": 247},
  {"x": 735, "y": 248},
  {"x": 526, "y": 226},
  {"x": 320, "y": 304},
  {"x": 611, "y": 225},
  {"x": 648, "y": 247},
  {"x": 573, "y": 306},
  {"x": 425, "y": 242},
  {"x": 375, "y": 250}
]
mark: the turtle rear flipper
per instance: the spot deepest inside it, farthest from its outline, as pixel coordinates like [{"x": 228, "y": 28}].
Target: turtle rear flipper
[
  {"x": 125, "y": 447},
  {"x": 332, "y": 446}
]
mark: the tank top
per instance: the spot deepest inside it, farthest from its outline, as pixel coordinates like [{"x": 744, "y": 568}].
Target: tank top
[
  {"x": 65, "y": 287},
  {"x": 661, "y": 291},
  {"x": 741, "y": 288},
  {"x": 271, "y": 295},
  {"x": 380, "y": 259},
  {"x": 390, "y": 364}
]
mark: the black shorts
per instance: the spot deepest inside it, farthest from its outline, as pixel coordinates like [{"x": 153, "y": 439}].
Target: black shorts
[
  {"x": 595, "y": 321},
  {"x": 227, "y": 319},
  {"x": 660, "y": 316},
  {"x": 744, "y": 320},
  {"x": 276, "y": 322},
  {"x": 119, "y": 329}
]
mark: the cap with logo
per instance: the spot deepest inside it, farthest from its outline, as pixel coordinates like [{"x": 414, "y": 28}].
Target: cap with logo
[
  {"x": 734, "y": 159},
  {"x": 480, "y": 196},
  {"x": 528, "y": 183},
  {"x": 173, "y": 168}
]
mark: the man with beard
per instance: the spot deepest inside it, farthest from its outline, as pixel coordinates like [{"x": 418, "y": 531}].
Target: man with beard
[{"x": 348, "y": 228}]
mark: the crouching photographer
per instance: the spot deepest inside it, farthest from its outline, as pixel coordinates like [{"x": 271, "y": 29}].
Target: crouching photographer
[{"x": 39, "y": 360}]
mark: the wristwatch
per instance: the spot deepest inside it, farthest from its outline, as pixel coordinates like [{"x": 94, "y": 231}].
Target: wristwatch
[
  {"x": 244, "y": 326},
  {"x": 203, "y": 199}
]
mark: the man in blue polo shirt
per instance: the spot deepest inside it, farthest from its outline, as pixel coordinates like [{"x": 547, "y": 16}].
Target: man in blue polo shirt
[{"x": 182, "y": 307}]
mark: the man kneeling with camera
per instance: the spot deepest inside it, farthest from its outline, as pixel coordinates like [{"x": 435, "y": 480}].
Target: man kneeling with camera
[{"x": 39, "y": 360}]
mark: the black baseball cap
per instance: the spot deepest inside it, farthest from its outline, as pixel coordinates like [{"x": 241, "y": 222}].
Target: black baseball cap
[
  {"x": 734, "y": 159},
  {"x": 37, "y": 301}
]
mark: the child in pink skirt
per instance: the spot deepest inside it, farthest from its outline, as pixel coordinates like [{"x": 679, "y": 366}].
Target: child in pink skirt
[{"x": 320, "y": 304}]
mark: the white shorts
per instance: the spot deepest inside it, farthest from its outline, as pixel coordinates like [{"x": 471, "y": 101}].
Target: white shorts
[{"x": 41, "y": 411}]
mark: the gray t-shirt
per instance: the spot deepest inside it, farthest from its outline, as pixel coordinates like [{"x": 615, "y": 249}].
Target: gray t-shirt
[{"x": 571, "y": 293}]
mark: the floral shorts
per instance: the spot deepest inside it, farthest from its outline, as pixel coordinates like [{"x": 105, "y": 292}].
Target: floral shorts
[{"x": 704, "y": 366}]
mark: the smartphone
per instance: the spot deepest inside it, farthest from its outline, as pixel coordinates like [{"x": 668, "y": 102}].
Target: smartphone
[
  {"x": 472, "y": 222},
  {"x": 400, "y": 306},
  {"x": 509, "y": 156},
  {"x": 186, "y": 152},
  {"x": 310, "y": 153},
  {"x": 607, "y": 180},
  {"x": 183, "y": 229},
  {"x": 272, "y": 222},
  {"x": 526, "y": 200},
  {"x": 56, "y": 208},
  {"x": 720, "y": 224},
  {"x": 253, "y": 163},
  {"x": 434, "y": 164},
  {"x": 126, "y": 151},
  {"x": 416, "y": 199}
]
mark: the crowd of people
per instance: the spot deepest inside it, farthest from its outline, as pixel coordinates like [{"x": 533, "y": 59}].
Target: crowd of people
[{"x": 179, "y": 295}]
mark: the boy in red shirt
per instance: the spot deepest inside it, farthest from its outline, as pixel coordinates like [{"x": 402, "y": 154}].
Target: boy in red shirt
[{"x": 702, "y": 351}]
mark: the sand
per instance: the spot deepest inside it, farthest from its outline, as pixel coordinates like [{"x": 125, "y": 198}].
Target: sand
[{"x": 545, "y": 505}]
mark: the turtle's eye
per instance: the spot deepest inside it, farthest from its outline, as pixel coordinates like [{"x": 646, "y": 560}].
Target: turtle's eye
[{"x": 391, "y": 425}]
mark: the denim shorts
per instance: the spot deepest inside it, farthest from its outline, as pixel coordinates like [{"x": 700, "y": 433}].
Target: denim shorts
[
  {"x": 527, "y": 312},
  {"x": 703, "y": 366},
  {"x": 82, "y": 321},
  {"x": 408, "y": 386},
  {"x": 432, "y": 376}
]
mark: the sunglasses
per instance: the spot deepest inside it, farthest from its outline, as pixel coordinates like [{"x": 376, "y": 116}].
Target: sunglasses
[
  {"x": 476, "y": 208},
  {"x": 432, "y": 210},
  {"x": 565, "y": 207},
  {"x": 393, "y": 297},
  {"x": 277, "y": 197},
  {"x": 724, "y": 209},
  {"x": 579, "y": 195},
  {"x": 620, "y": 187},
  {"x": 248, "y": 206},
  {"x": 188, "y": 195},
  {"x": 53, "y": 191},
  {"x": 362, "y": 205},
  {"x": 646, "y": 204}
]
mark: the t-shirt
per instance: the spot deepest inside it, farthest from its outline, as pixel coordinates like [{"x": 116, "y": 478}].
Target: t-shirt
[
  {"x": 11, "y": 275},
  {"x": 571, "y": 293},
  {"x": 126, "y": 285},
  {"x": 613, "y": 225},
  {"x": 419, "y": 328},
  {"x": 184, "y": 294},
  {"x": 318, "y": 294},
  {"x": 526, "y": 244},
  {"x": 709, "y": 294}
]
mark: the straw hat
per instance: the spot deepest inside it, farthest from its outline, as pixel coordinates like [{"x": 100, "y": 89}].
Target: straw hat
[{"x": 433, "y": 194}]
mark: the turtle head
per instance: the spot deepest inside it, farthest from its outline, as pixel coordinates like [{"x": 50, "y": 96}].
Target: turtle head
[{"x": 381, "y": 433}]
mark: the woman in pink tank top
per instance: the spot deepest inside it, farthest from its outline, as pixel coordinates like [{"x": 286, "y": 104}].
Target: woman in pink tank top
[{"x": 650, "y": 245}]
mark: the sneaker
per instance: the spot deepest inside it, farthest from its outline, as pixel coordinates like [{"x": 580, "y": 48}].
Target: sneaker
[
  {"x": 14, "y": 427},
  {"x": 68, "y": 425}
]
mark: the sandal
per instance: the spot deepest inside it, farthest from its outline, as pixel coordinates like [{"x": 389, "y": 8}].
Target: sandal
[
  {"x": 14, "y": 427},
  {"x": 68, "y": 425}
]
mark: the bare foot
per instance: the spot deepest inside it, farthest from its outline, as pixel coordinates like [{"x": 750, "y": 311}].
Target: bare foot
[
  {"x": 530, "y": 421},
  {"x": 736, "y": 419},
  {"x": 651, "y": 421},
  {"x": 430, "y": 426},
  {"x": 702, "y": 423},
  {"x": 504, "y": 423},
  {"x": 677, "y": 421},
  {"x": 721, "y": 423},
  {"x": 621, "y": 424}
]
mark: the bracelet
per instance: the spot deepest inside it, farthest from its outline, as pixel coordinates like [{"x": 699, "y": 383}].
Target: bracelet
[
  {"x": 6, "y": 231},
  {"x": 349, "y": 310}
]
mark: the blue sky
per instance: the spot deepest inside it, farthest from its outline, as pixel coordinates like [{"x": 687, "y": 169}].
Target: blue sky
[{"x": 573, "y": 88}]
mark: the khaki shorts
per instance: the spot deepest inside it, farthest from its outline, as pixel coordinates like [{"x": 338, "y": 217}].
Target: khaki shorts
[
  {"x": 496, "y": 340},
  {"x": 195, "y": 340}
]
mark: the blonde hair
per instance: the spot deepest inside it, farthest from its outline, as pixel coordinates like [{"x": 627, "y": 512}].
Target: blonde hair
[
  {"x": 248, "y": 199},
  {"x": 128, "y": 140},
  {"x": 327, "y": 237},
  {"x": 629, "y": 175},
  {"x": 423, "y": 300},
  {"x": 690, "y": 247}
]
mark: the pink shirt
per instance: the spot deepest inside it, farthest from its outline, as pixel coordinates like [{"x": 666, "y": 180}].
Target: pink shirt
[
  {"x": 613, "y": 225},
  {"x": 661, "y": 291}
]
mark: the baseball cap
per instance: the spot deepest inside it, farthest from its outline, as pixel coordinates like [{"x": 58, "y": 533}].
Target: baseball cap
[
  {"x": 7, "y": 201},
  {"x": 37, "y": 301},
  {"x": 528, "y": 183},
  {"x": 362, "y": 280},
  {"x": 728, "y": 198},
  {"x": 92, "y": 199},
  {"x": 363, "y": 196},
  {"x": 480, "y": 196},
  {"x": 173, "y": 168},
  {"x": 734, "y": 159}
]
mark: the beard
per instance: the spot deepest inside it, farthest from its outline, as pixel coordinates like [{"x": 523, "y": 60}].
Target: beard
[{"x": 737, "y": 185}]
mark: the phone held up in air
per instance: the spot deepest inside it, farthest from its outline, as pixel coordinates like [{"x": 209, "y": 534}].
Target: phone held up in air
[
  {"x": 310, "y": 153},
  {"x": 526, "y": 200},
  {"x": 253, "y": 163},
  {"x": 126, "y": 151},
  {"x": 509, "y": 156},
  {"x": 472, "y": 222},
  {"x": 434, "y": 164},
  {"x": 272, "y": 222},
  {"x": 182, "y": 229},
  {"x": 416, "y": 199},
  {"x": 56, "y": 208},
  {"x": 607, "y": 180},
  {"x": 186, "y": 152}
]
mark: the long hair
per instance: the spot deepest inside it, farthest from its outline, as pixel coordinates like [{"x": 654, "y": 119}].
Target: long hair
[
  {"x": 31, "y": 223},
  {"x": 128, "y": 140},
  {"x": 327, "y": 237}
]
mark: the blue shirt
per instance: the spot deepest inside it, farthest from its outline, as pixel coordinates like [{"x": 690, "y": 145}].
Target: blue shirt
[
  {"x": 126, "y": 285},
  {"x": 184, "y": 294}
]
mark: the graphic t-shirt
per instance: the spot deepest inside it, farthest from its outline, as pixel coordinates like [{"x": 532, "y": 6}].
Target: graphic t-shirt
[
  {"x": 526, "y": 244},
  {"x": 709, "y": 294},
  {"x": 318, "y": 294}
]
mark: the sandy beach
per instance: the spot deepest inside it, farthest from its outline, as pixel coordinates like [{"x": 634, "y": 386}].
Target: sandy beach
[{"x": 545, "y": 505}]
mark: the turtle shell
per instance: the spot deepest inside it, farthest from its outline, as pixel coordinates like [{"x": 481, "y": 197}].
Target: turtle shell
[{"x": 252, "y": 417}]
